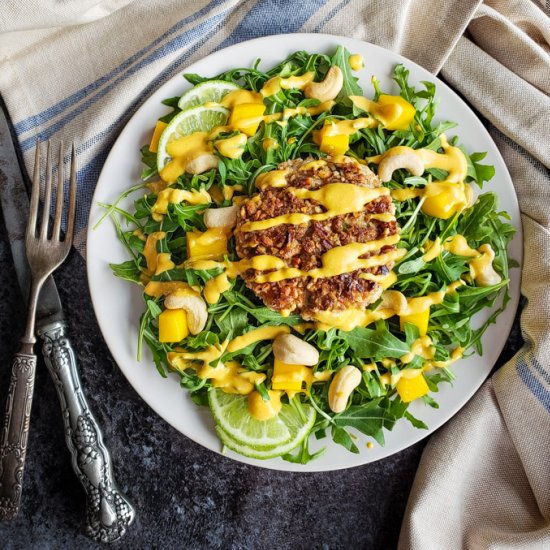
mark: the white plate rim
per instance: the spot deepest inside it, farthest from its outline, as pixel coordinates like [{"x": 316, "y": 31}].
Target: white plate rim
[{"x": 137, "y": 374}]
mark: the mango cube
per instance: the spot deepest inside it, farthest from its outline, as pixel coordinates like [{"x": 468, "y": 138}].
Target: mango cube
[
  {"x": 289, "y": 377},
  {"x": 443, "y": 205},
  {"x": 396, "y": 112},
  {"x": 246, "y": 117},
  {"x": 172, "y": 325},
  {"x": 210, "y": 245},
  {"x": 334, "y": 145},
  {"x": 410, "y": 389},
  {"x": 159, "y": 128},
  {"x": 420, "y": 320}
]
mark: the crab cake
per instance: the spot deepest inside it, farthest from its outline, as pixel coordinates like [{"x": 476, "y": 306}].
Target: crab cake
[{"x": 302, "y": 245}]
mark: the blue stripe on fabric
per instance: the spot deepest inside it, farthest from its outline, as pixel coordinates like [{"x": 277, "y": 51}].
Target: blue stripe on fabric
[
  {"x": 330, "y": 15},
  {"x": 248, "y": 28},
  {"x": 532, "y": 383},
  {"x": 166, "y": 49},
  {"x": 540, "y": 369},
  {"x": 272, "y": 17},
  {"x": 50, "y": 112}
]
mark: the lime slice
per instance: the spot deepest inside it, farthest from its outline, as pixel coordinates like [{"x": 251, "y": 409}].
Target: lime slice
[
  {"x": 232, "y": 414},
  {"x": 195, "y": 119},
  {"x": 297, "y": 426},
  {"x": 211, "y": 90}
]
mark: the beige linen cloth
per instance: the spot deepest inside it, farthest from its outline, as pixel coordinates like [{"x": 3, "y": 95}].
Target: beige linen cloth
[{"x": 79, "y": 70}]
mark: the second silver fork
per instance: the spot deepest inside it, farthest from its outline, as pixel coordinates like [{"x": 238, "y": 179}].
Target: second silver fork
[{"x": 45, "y": 253}]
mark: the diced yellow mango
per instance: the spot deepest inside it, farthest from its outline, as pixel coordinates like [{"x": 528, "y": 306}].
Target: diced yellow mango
[
  {"x": 289, "y": 377},
  {"x": 420, "y": 320},
  {"x": 443, "y": 205},
  {"x": 159, "y": 128},
  {"x": 210, "y": 245},
  {"x": 246, "y": 117},
  {"x": 398, "y": 114},
  {"x": 410, "y": 389},
  {"x": 337, "y": 144},
  {"x": 172, "y": 325}
]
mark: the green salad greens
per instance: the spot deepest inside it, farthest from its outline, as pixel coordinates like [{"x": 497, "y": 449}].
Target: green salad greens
[{"x": 377, "y": 349}]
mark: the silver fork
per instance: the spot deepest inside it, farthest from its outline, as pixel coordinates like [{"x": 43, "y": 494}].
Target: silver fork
[{"x": 45, "y": 254}]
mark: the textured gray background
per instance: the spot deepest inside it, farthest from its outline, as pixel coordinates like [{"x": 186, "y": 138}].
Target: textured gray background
[{"x": 185, "y": 496}]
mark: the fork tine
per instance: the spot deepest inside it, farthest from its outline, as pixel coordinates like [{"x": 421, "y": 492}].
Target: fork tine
[
  {"x": 35, "y": 194},
  {"x": 60, "y": 196},
  {"x": 47, "y": 195},
  {"x": 72, "y": 200}
]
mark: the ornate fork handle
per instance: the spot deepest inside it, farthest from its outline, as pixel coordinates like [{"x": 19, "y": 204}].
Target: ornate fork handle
[{"x": 108, "y": 512}]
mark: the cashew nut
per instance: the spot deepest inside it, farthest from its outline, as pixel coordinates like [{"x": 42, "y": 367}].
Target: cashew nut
[
  {"x": 341, "y": 387},
  {"x": 391, "y": 163},
  {"x": 221, "y": 217},
  {"x": 328, "y": 88},
  {"x": 202, "y": 163},
  {"x": 482, "y": 270},
  {"x": 395, "y": 300},
  {"x": 291, "y": 350},
  {"x": 194, "y": 306}
]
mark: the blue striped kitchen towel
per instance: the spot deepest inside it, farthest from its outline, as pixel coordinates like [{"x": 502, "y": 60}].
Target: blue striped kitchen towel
[{"x": 79, "y": 69}]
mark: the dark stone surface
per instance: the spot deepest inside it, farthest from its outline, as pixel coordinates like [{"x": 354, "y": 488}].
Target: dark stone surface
[{"x": 185, "y": 496}]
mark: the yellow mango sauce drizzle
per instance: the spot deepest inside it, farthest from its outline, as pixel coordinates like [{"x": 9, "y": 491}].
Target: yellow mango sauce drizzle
[
  {"x": 442, "y": 198},
  {"x": 393, "y": 303},
  {"x": 175, "y": 196},
  {"x": 229, "y": 376},
  {"x": 187, "y": 148},
  {"x": 233, "y": 378},
  {"x": 338, "y": 260},
  {"x": 481, "y": 263},
  {"x": 336, "y": 199}
]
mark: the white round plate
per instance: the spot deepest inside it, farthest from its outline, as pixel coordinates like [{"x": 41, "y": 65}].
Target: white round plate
[{"x": 118, "y": 304}]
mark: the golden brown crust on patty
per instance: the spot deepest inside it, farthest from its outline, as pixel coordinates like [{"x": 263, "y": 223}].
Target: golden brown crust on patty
[{"x": 301, "y": 246}]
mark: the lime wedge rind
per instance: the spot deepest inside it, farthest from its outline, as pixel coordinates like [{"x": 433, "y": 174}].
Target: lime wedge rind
[
  {"x": 231, "y": 412},
  {"x": 211, "y": 90},
  {"x": 271, "y": 451},
  {"x": 195, "y": 119},
  {"x": 233, "y": 420}
]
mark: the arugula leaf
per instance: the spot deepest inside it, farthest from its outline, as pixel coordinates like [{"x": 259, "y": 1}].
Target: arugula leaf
[
  {"x": 477, "y": 171},
  {"x": 342, "y": 437},
  {"x": 401, "y": 76},
  {"x": 231, "y": 323},
  {"x": 173, "y": 103},
  {"x": 303, "y": 456},
  {"x": 153, "y": 308},
  {"x": 412, "y": 266},
  {"x": 350, "y": 87},
  {"x": 374, "y": 344},
  {"x": 150, "y": 160},
  {"x": 415, "y": 421},
  {"x": 128, "y": 271},
  {"x": 367, "y": 418}
]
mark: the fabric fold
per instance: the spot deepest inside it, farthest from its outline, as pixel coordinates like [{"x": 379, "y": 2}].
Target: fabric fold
[
  {"x": 485, "y": 477},
  {"x": 38, "y": 14},
  {"x": 430, "y": 44},
  {"x": 491, "y": 504}
]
